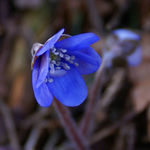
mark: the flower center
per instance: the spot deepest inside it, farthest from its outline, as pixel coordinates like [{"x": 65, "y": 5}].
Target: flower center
[{"x": 59, "y": 63}]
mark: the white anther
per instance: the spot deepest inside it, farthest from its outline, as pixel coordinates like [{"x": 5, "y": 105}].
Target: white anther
[
  {"x": 53, "y": 62},
  {"x": 66, "y": 66},
  {"x": 50, "y": 80},
  {"x": 63, "y": 50},
  {"x": 76, "y": 64},
  {"x": 52, "y": 69},
  {"x": 56, "y": 53},
  {"x": 57, "y": 63},
  {"x": 58, "y": 68},
  {"x": 72, "y": 57},
  {"x": 67, "y": 57},
  {"x": 61, "y": 55},
  {"x": 54, "y": 49}
]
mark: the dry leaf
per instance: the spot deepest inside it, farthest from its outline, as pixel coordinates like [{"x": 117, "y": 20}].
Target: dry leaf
[{"x": 141, "y": 95}]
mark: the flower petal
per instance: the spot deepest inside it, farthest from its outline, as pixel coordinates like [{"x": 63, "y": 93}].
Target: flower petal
[
  {"x": 78, "y": 41},
  {"x": 124, "y": 34},
  {"x": 50, "y": 43},
  {"x": 69, "y": 89},
  {"x": 88, "y": 60},
  {"x": 108, "y": 57},
  {"x": 135, "y": 58},
  {"x": 42, "y": 64},
  {"x": 42, "y": 93}
]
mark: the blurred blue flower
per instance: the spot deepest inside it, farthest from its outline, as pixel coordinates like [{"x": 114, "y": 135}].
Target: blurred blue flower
[
  {"x": 129, "y": 42},
  {"x": 123, "y": 43},
  {"x": 58, "y": 66}
]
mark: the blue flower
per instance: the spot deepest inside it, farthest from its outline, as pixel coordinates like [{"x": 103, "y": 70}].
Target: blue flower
[
  {"x": 123, "y": 43},
  {"x": 128, "y": 39},
  {"x": 58, "y": 66}
]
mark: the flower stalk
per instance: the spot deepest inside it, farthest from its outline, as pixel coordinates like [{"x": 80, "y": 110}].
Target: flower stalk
[
  {"x": 70, "y": 127},
  {"x": 88, "y": 114}
]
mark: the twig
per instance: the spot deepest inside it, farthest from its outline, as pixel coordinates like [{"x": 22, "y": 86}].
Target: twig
[
  {"x": 10, "y": 27},
  {"x": 112, "y": 128},
  {"x": 94, "y": 17},
  {"x": 88, "y": 115},
  {"x": 51, "y": 141},
  {"x": 9, "y": 125},
  {"x": 117, "y": 16},
  {"x": 148, "y": 124},
  {"x": 34, "y": 118},
  {"x": 70, "y": 127},
  {"x": 120, "y": 140},
  {"x": 131, "y": 137},
  {"x": 35, "y": 134},
  {"x": 126, "y": 138},
  {"x": 109, "y": 94},
  {"x": 111, "y": 91}
]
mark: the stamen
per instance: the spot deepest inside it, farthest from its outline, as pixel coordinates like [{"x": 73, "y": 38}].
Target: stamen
[
  {"x": 52, "y": 69},
  {"x": 57, "y": 63},
  {"x": 61, "y": 55},
  {"x": 76, "y": 64},
  {"x": 58, "y": 68},
  {"x": 63, "y": 50},
  {"x": 72, "y": 57},
  {"x": 50, "y": 80},
  {"x": 54, "y": 49},
  {"x": 67, "y": 57},
  {"x": 66, "y": 66},
  {"x": 56, "y": 53},
  {"x": 53, "y": 62}
]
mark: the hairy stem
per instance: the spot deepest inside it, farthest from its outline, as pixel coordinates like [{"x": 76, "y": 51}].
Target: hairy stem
[
  {"x": 70, "y": 127},
  {"x": 88, "y": 115}
]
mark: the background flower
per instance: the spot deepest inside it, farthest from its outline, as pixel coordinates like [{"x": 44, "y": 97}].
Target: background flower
[{"x": 123, "y": 43}]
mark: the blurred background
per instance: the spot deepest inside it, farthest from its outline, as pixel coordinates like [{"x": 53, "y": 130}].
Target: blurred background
[{"x": 122, "y": 116}]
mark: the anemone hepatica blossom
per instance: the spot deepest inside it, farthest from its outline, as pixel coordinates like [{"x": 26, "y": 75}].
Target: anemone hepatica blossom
[
  {"x": 123, "y": 43},
  {"x": 58, "y": 65},
  {"x": 129, "y": 42}
]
